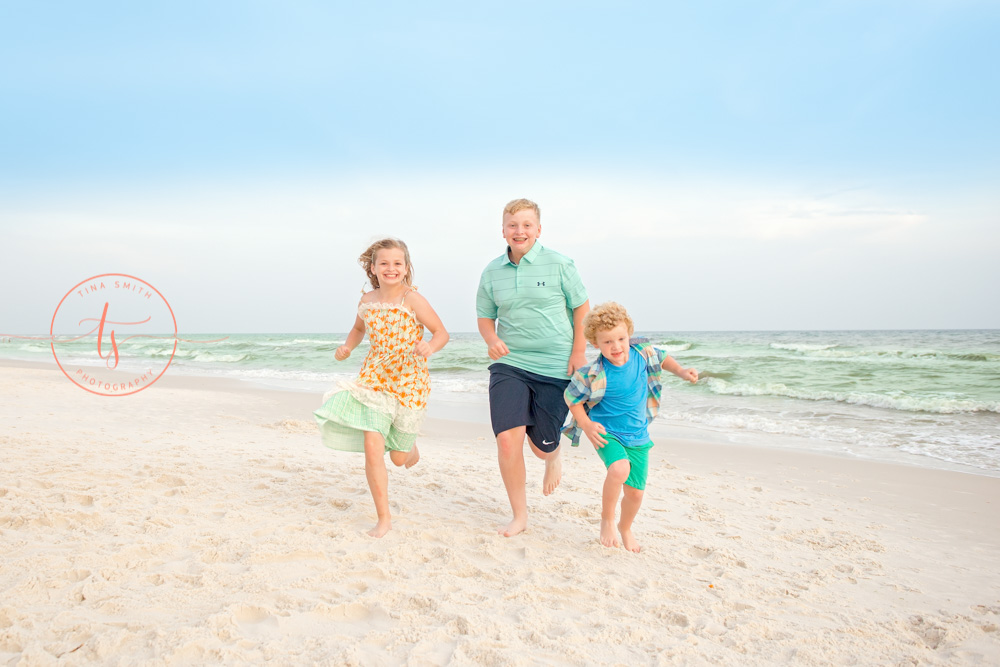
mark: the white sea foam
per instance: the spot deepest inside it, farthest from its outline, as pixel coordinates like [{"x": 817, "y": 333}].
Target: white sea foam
[
  {"x": 917, "y": 356},
  {"x": 940, "y": 404},
  {"x": 801, "y": 347},
  {"x": 460, "y": 385},
  {"x": 860, "y": 437}
]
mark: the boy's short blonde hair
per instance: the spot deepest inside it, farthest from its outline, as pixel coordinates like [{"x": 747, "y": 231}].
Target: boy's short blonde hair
[
  {"x": 521, "y": 204},
  {"x": 604, "y": 318}
]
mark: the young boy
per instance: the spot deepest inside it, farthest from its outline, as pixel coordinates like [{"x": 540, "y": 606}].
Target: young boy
[
  {"x": 613, "y": 400},
  {"x": 530, "y": 307}
]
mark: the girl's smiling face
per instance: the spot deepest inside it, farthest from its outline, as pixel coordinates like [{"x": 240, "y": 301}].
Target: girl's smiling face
[
  {"x": 613, "y": 344},
  {"x": 389, "y": 266}
]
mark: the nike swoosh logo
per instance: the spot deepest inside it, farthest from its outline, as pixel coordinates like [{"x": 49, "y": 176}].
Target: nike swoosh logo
[{"x": 548, "y": 442}]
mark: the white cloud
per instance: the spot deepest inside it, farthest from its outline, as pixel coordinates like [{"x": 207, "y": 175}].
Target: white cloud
[{"x": 281, "y": 255}]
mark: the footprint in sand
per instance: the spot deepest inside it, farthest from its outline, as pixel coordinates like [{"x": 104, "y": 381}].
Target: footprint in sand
[
  {"x": 700, "y": 552},
  {"x": 352, "y": 611},
  {"x": 932, "y": 634}
]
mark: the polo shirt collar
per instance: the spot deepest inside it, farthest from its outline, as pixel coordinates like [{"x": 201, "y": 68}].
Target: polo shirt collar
[{"x": 530, "y": 255}]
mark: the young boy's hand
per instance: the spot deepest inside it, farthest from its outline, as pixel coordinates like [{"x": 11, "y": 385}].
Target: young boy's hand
[
  {"x": 594, "y": 431},
  {"x": 497, "y": 350},
  {"x": 689, "y": 374},
  {"x": 342, "y": 353}
]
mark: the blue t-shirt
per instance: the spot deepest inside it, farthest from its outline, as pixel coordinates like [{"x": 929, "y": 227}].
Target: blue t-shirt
[{"x": 622, "y": 411}]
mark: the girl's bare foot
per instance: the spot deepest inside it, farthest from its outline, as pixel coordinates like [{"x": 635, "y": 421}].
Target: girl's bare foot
[
  {"x": 412, "y": 459},
  {"x": 381, "y": 528},
  {"x": 553, "y": 474},
  {"x": 629, "y": 540},
  {"x": 515, "y": 527},
  {"x": 609, "y": 537}
]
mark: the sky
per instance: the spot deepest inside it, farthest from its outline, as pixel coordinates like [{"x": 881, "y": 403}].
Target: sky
[{"x": 711, "y": 166}]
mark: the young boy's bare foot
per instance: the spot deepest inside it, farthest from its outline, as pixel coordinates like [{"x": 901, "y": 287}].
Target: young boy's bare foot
[
  {"x": 412, "y": 459},
  {"x": 629, "y": 540},
  {"x": 381, "y": 528},
  {"x": 609, "y": 536},
  {"x": 553, "y": 473},
  {"x": 515, "y": 527}
]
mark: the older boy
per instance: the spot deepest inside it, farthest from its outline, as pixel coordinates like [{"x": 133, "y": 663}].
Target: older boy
[
  {"x": 530, "y": 304},
  {"x": 613, "y": 400}
]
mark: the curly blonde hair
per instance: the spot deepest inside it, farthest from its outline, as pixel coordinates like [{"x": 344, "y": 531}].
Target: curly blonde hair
[
  {"x": 516, "y": 205},
  {"x": 367, "y": 259},
  {"x": 604, "y": 318}
]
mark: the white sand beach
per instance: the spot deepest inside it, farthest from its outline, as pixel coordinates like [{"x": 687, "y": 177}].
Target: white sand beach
[{"x": 201, "y": 521}]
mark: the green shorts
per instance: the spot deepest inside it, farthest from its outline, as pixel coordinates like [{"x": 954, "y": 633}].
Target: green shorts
[{"x": 638, "y": 457}]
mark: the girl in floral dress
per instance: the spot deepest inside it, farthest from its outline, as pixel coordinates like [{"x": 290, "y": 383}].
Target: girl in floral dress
[{"x": 383, "y": 409}]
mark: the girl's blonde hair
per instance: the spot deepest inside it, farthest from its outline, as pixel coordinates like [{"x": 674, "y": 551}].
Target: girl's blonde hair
[
  {"x": 604, "y": 318},
  {"x": 367, "y": 259}
]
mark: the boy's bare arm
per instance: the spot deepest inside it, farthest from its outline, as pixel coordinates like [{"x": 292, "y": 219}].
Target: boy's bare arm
[
  {"x": 495, "y": 347},
  {"x": 689, "y": 374},
  {"x": 578, "y": 357},
  {"x": 594, "y": 430}
]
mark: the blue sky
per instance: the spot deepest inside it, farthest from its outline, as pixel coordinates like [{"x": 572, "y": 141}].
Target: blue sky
[{"x": 769, "y": 165}]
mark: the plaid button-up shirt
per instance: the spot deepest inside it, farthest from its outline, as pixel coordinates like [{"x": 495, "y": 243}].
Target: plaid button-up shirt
[{"x": 589, "y": 383}]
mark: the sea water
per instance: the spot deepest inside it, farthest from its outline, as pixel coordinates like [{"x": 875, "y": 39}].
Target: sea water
[{"x": 925, "y": 397}]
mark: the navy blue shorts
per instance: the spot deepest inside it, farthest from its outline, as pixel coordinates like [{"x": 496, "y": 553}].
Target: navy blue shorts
[{"x": 522, "y": 398}]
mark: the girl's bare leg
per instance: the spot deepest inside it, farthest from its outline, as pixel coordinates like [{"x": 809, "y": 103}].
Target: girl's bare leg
[
  {"x": 413, "y": 457},
  {"x": 630, "y": 507},
  {"x": 378, "y": 481},
  {"x": 617, "y": 474},
  {"x": 408, "y": 459}
]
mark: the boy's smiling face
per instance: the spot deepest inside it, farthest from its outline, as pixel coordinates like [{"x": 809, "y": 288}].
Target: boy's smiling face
[
  {"x": 613, "y": 344},
  {"x": 520, "y": 230}
]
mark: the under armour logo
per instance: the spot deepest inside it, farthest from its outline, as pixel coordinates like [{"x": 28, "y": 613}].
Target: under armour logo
[{"x": 541, "y": 284}]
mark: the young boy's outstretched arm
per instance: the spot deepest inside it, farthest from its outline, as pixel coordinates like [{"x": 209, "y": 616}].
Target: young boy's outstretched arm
[
  {"x": 689, "y": 374},
  {"x": 578, "y": 357},
  {"x": 495, "y": 347}
]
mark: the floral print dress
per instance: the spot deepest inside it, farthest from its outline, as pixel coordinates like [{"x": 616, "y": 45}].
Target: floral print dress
[{"x": 390, "y": 393}]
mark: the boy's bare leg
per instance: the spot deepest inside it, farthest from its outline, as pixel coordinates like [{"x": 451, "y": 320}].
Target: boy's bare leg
[
  {"x": 617, "y": 474},
  {"x": 378, "y": 481},
  {"x": 630, "y": 507},
  {"x": 553, "y": 467},
  {"x": 510, "y": 456}
]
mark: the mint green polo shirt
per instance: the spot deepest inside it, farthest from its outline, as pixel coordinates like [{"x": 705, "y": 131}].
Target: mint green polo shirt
[{"x": 532, "y": 302}]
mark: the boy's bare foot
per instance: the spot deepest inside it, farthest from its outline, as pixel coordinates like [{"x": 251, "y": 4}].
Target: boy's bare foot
[
  {"x": 553, "y": 473},
  {"x": 629, "y": 540},
  {"x": 412, "y": 459},
  {"x": 609, "y": 536},
  {"x": 515, "y": 527},
  {"x": 381, "y": 528}
]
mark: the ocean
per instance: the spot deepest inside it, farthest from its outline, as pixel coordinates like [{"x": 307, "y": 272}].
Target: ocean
[{"x": 928, "y": 398}]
